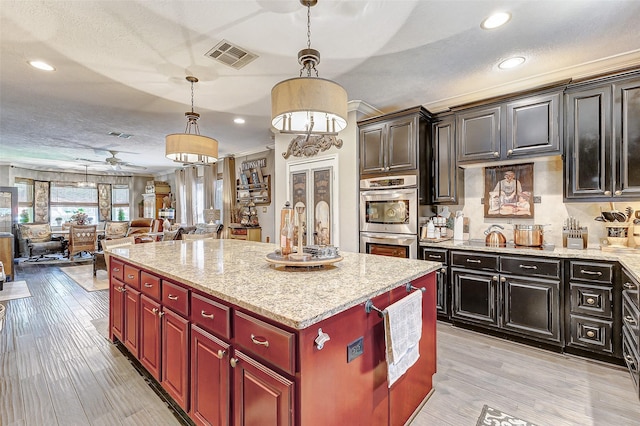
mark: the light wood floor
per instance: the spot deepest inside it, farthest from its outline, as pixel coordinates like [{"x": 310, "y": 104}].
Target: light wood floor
[{"x": 57, "y": 369}]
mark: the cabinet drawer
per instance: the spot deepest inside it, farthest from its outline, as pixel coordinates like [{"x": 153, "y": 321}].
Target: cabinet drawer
[
  {"x": 434, "y": 255},
  {"x": 533, "y": 266},
  {"x": 474, "y": 260},
  {"x": 268, "y": 342},
  {"x": 150, "y": 285},
  {"x": 210, "y": 315},
  {"x": 175, "y": 298},
  {"x": 117, "y": 269},
  {"x": 591, "y": 299},
  {"x": 132, "y": 276},
  {"x": 631, "y": 318},
  {"x": 591, "y": 333},
  {"x": 592, "y": 271}
]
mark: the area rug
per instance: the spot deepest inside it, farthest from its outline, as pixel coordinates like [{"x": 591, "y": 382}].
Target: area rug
[
  {"x": 54, "y": 259},
  {"x": 14, "y": 290},
  {"x": 83, "y": 275},
  {"x": 493, "y": 417}
]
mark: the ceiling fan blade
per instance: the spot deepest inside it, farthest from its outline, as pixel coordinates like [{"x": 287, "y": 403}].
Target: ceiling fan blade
[
  {"x": 87, "y": 160},
  {"x": 132, "y": 166}
]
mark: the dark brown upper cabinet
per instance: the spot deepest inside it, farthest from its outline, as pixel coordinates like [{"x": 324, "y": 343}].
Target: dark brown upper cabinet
[
  {"x": 602, "y": 136},
  {"x": 514, "y": 128},
  {"x": 447, "y": 177}
]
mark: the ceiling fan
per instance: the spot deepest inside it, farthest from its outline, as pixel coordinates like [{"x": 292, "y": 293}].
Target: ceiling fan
[{"x": 115, "y": 162}]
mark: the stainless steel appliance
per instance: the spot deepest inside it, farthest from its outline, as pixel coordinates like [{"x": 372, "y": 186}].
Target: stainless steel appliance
[
  {"x": 389, "y": 216},
  {"x": 385, "y": 244}
]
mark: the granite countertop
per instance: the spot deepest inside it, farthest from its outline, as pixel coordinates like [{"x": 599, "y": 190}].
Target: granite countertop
[
  {"x": 629, "y": 258},
  {"x": 237, "y": 272}
]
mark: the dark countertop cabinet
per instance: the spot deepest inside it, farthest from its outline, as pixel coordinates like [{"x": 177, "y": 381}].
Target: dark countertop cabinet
[
  {"x": 602, "y": 137},
  {"x": 446, "y": 177}
]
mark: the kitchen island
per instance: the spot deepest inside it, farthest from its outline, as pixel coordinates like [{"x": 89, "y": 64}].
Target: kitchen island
[{"x": 233, "y": 339}]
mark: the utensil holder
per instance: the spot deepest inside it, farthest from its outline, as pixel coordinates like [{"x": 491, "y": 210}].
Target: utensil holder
[{"x": 617, "y": 234}]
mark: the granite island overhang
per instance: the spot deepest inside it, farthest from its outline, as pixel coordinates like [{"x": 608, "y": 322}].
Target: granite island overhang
[{"x": 237, "y": 272}]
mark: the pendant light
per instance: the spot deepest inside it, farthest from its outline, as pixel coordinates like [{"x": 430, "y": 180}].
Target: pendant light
[
  {"x": 190, "y": 147},
  {"x": 86, "y": 183},
  {"x": 309, "y": 105}
]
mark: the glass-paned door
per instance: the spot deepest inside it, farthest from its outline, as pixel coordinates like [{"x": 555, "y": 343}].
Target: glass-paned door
[{"x": 8, "y": 208}]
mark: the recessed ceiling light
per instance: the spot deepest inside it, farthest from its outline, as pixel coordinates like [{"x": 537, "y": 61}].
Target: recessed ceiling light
[
  {"x": 511, "y": 62},
  {"x": 238, "y": 120},
  {"x": 41, "y": 65},
  {"x": 496, "y": 20}
]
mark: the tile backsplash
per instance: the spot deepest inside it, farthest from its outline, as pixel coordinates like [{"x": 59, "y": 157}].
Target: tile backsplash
[{"x": 551, "y": 211}]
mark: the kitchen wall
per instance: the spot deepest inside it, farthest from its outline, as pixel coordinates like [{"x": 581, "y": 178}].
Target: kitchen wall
[{"x": 551, "y": 211}]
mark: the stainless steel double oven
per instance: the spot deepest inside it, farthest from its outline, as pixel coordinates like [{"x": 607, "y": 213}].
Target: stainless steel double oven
[{"x": 389, "y": 216}]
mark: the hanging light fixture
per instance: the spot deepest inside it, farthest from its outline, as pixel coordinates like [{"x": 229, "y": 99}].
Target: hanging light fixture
[
  {"x": 191, "y": 147},
  {"x": 86, "y": 183},
  {"x": 308, "y": 105}
]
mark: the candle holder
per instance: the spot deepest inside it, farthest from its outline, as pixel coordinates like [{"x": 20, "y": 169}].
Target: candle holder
[{"x": 300, "y": 255}]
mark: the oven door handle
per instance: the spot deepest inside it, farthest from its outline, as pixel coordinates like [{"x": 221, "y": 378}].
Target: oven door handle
[
  {"x": 386, "y": 238},
  {"x": 389, "y": 194}
]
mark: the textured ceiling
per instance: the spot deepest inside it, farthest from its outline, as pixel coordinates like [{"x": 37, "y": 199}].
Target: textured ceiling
[{"x": 121, "y": 65}]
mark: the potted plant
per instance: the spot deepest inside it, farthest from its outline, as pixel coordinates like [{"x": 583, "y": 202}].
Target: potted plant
[
  {"x": 121, "y": 214},
  {"x": 24, "y": 216}
]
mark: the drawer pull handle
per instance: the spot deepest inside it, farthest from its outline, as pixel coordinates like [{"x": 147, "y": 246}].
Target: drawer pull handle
[
  {"x": 155, "y": 311},
  {"x": 629, "y": 286},
  {"x": 233, "y": 362},
  {"x": 629, "y": 319},
  {"x": 116, "y": 269},
  {"x": 130, "y": 276},
  {"x": 434, "y": 256},
  {"x": 591, "y": 301},
  {"x": 221, "y": 353},
  {"x": 260, "y": 341},
  {"x": 172, "y": 297},
  {"x": 121, "y": 289},
  {"x": 206, "y": 315},
  {"x": 473, "y": 261},
  {"x": 161, "y": 313},
  {"x": 591, "y": 334},
  {"x": 528, "y": 267},
  {"x": 598, "y": 273},
  {"x": 147, "y": 285},
  {"x": 630, "y": 360}
]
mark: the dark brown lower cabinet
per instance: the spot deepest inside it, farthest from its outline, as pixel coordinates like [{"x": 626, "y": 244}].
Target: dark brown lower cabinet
[
  {"x": 261, "y": 396},
  {"x": 150, "y": 335},
  {"x": 210, "y": 379},
  {"x": 474, "y": 297},
  {"x": 175, "y": 357}
]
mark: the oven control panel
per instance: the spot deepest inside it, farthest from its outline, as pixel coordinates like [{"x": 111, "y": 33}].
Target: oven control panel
[{"x": 389, "y": 182}]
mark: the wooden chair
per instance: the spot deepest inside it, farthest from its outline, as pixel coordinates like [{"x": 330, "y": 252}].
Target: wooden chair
[
  {"x": 82, "y": 238},
  {"x": 101, "y": 259}
]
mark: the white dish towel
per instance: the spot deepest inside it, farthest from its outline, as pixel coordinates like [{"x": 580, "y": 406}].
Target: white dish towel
[{"x": 402, "y": 332}]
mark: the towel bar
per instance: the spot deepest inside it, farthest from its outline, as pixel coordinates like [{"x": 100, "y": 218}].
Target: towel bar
[
  {"x": 409, "y": 287},
  {"x": 369, "y": 306}
]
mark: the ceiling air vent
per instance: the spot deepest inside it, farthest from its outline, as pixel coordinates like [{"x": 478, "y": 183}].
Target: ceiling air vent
[
  {"x": 120, "y": 135},
  {"x": 231, "y": 54}
]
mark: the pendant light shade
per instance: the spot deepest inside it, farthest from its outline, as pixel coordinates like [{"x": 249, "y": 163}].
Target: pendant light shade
[
  {"x": 308, "y": 105},
  {"x": 191, "y": 147}
]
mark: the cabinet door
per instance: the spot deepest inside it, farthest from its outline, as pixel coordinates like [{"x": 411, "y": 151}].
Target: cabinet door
[
  {"x": 402, "y": 143},
  {"x": 478, "y": 135},
  {"x": 442, "y": 299},
  {"x": 588, "y": 160},
  {"x": 372, "y": 142},
  {"x": 626, "y": 110},
  {"x": 445, "y": 168},
  {"x": 116, "y": 300},
  {"x": 150, "y": 337},
  {"x": 132, "y": 320},
  {"x": 175, "y": 357},
  {"x": 532, "y": 126},
  {"x": 210, "y": 379},
  {"x": 531, "y": 307},
  {"x": 262, "y": 397},
  {"x": 474, "y": 296}
]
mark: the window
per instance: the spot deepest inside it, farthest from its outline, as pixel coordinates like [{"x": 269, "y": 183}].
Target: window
[
  {"x": 120, "y": 202},
  {"x": 66, "y": 199},
  {"x": 25, "y": 199}
]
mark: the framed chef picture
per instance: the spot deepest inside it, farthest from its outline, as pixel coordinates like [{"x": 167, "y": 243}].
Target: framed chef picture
[{"x": 508, "y": 191}]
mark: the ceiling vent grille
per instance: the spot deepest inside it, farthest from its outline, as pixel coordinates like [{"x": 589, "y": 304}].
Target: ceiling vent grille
[
  {"x": 120, "y": 135},
  {"x": 231, "y": 54}
]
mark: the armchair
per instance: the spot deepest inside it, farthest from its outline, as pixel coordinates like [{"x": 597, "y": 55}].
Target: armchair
[
  {"x": 138, "y": 228},
  {"x": 39, "y": 242},
  {"x": 82, "y": 238},
  {"x": 112, "y": 230}
]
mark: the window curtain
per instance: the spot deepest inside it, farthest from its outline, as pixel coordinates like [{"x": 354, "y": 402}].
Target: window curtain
[
  {"x": 210, "y": 174},
  {"x": 104, "y": 201},
  {"x": 228, "y": 193},
  {"x": 186, "y": 195},
  {"x": 41, "y": 202}
]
